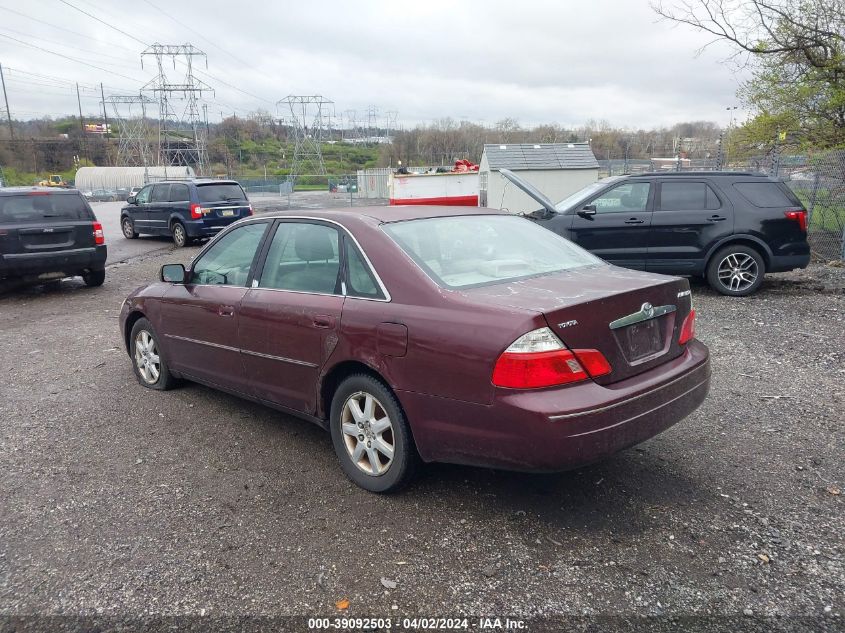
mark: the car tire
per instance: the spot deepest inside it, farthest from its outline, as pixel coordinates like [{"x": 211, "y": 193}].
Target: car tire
[
  {"x": 371, "y": 436},
  {"x": 180, "y": 235},
  {"x": 94, "y": 278},
  {"x": 148, "y": 363},
  {"x": 736, "y": 270},
  {"x": 128, "y": 228}
]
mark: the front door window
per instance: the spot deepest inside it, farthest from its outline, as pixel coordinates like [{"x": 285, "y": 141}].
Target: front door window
[
  {"x": 229, "y": 260},
  {"x": 629, "y": 197}
]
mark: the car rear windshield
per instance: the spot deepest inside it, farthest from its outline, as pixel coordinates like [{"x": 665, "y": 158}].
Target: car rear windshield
[
  {"x": 767, "y": 194},
  {"x": 42, "y": 207},
  {"x": 473, "y": 250},
  {"x": 220, "y": 193}
]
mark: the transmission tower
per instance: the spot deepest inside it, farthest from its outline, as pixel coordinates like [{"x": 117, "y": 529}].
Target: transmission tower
[
  {"x": 130, "y": 113},
  {"x": 182, "y": 133},
  {"x": 307, "y": 113},
  {"x": 390, "y": 119},
  {"x": 353, "y": 133}
]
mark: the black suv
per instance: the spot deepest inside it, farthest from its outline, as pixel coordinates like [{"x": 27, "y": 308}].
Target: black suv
[
  {"x": 730, "y": 227},
  {"x": 184, "y": 209},
  {"x": 49, "y": 233}
]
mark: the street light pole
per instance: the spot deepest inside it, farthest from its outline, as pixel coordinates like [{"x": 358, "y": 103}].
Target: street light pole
[{"x": 730, "y": 110}]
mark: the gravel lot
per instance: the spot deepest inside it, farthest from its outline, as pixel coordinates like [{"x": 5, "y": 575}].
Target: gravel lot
[{"x": 120, "y": 501}]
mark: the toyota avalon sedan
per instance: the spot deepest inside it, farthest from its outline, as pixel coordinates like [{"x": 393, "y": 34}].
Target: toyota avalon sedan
[{"x": 419, "y": 334}]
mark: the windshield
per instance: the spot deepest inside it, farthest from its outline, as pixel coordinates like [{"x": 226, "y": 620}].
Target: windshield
[
  {"x": 220, "y": 193},
  {"x": 465, "y": 251},
  {"x": 42, "y": 206},
  {"x": 584, "y": 193}
]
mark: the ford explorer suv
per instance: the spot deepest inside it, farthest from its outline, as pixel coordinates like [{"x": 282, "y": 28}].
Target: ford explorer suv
[
  {"x": 185, "y": 210},
  {"x": 47, "y": 234},
  {"x": 727, "y": 227}
]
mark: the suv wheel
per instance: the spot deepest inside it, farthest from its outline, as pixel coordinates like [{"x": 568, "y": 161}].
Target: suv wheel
[
  {"x": 128, "y": 228},
  {"x": 736, "y": 271},
  {"x": 371, "y": 436},
  {"x": 180, "y": 236},
  {"x": 94, "y": 278}
]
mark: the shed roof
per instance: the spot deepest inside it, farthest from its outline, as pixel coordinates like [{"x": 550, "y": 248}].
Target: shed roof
[{"x": 540, "y": 156}]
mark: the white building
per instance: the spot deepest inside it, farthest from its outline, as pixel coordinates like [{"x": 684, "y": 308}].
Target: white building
[
  {"x": 556, "y": 169},
  {"x": 91, "y": 178}
]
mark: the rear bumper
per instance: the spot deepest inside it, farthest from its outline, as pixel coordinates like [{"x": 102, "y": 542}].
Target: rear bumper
[
  {"x": 67, "y": 262},
  {"x": 559, "y": 429},
  {"x": 783, "y": 263},
  {"x": 208, "y": 228}
]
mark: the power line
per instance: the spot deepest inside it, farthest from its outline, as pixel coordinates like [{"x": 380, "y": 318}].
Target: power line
[
  {"x": 73, "y": 59},
  {"x": 77, "y": 48},
  {"x": 185, "y": 26},
  {"x": 111, "y": 26}
]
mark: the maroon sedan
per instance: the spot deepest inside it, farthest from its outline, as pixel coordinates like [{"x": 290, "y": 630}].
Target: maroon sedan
[{"x": 426, "y": 334}]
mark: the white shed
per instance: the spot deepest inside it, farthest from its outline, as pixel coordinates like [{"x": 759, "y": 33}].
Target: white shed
[
  {"x": 91, "y": 178},
  {"x": 556, "y": 169}
]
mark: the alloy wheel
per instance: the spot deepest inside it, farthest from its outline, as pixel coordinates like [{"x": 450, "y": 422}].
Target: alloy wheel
[
  {"x": 146, "y": 357},
  {"x": 367, "y": 433},
  {"x": 179, "y": 237},
  {"x": 128, "y": 229},
  {"x": 737, "y": 271}
]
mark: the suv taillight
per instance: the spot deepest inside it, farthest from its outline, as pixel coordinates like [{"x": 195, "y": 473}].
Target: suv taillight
[
  {"x": 99, "y": 236},
  {"x": 251, "y": 212},
  {"x": 687, "y": 329},
  {"x": 538, "y": 359},
  {"x": 197, "y": 211},
  {"x": 799, "y": 215}
]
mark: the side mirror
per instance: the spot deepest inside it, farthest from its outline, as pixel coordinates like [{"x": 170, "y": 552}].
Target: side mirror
[
  {"x": 588, "y": 211},
  {"x": 131, "y": 200},
  {"x": 173, "y": 273},
  {"x": 540, "y": 214}
]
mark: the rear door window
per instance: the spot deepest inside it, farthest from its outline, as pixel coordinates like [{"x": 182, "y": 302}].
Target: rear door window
[
  {"x": 687, "y": 196},
  {"x": 224, "y": 192},
  {"x": 179, "y": 193},
  {"x": 161, "y": 193},
  {"x": 43, "y": 207},
  {"x": 766, "y": 194}
]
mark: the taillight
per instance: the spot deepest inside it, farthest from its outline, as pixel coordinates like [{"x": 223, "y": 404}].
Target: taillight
[
  {"x": 687, "y": 329},
  {"x": 250, "y": 212},
  {"x": 799, "y": 215},
  {"x": 196, "y": 211},
  {"x": 99, "y": 236},
  {"x": 539, "y": 359}
]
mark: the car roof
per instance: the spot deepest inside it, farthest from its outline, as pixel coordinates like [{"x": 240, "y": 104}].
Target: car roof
[
  {"x": 699, "y": 174},
  {"x": 385, "y": 214},
  {"x": 8, "y": 191},
  {"x": 194, "y": 181}
]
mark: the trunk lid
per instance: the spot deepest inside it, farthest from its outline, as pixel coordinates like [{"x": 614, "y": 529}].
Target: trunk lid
[
  {"x": 633, "y": 318},
  {"x": 40, "y": 221}
]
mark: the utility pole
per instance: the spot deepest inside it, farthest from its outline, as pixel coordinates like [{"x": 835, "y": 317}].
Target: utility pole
[
  {"x": 81, "y": 120},
  {"x": 6, "y": 99}
]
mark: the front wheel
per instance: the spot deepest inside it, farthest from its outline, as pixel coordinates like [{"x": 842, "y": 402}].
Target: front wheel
[
  {"x": 371, "y": 436},
  {"x": 128, "y": 228},
  {"x": 736, "y": 271},
  {"x": 147, "y": 362}
]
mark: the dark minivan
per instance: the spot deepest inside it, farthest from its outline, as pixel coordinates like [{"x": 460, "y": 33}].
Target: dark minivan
[
  {"x": 728, "y": 227},
  {"x": 49, "y": 233},
  {"x": 185, "y": 209}
]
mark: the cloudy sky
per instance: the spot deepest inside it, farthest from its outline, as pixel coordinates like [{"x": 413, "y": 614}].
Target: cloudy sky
[{"x": 567, "y": 61}]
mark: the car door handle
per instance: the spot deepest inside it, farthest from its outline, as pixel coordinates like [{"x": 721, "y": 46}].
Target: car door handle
[
  {"x": 716, "y": 218},
  {"x": 634, "y": 221},
  {"x": 324, "y": 321},
  {"x": 226, "y": 311}
]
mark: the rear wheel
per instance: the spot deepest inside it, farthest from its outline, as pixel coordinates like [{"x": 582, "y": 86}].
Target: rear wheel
[
  {"x": 94, "y": 278},
  {"x": 736, "y": 270},
  {"x": 147, "y": 362},
  {"x": 371, "y": 436},
  {"x": 180, "y": 236},
  {"x": 128, "y": 228}
]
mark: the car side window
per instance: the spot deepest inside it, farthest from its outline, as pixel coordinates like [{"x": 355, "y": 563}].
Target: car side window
[
  {"x": 303, "y": 257},
  {"x": 360, "y": 280},
  {"x": 179, "y": 193},
  {"x": 228, "y": 261},
  {"x": 143, "y": 196},
  {"x": 161, "y": 193},
  {"x": 629, "y": 197},
  {"x": 687, "y": 196}
]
